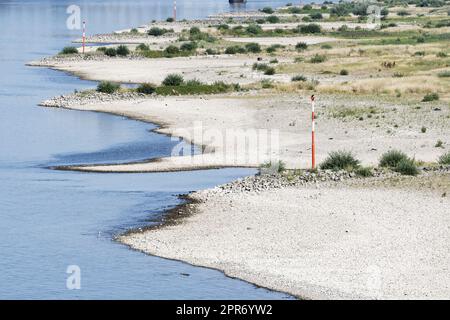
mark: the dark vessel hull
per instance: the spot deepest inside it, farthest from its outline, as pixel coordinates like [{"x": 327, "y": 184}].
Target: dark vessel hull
[{"x": 237, "y": 1}]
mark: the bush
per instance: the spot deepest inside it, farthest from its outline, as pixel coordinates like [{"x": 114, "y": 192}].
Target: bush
[
  {"x": 298, "y": 78},
  {"x": 188, "y": 46},
  {"x": 260, "y": 66},
  {"x": 445, "y": 158},
  {"x": 441, "y": 54},
  {"x": 343, "y": 72},
  {"x": 69, "y": 50},
  {"x": 123, "y": 50},
  {"x": 407, "y": 167},
  {"x": 210, "y": 51},
  {"x": 254, "y": 29},
  {"x": 273, "y": 19},
  {"x": 172, "y": 50},
  {"x": 317, "y": 58},
  {"x": 444, "y": 74},
  {"x": 316, "y": 16},
  {"x": 108, "y": 87},
  {"x": 340, "y": 160},
  {"x": 101, "y": 49},
  {"x": 326, "y": 46},
  {"x": 430, "y": 97},
  {"x": 111, "y": 52},
  {"x": 267, "y": 10},
  {"x": 143, "y": 47},
  {"x": 134, "y": 31},
  {"x": 364, "y": 172},
  {"x": 403, "y": 13},
  {"x": 155, "y": 31},
  {"x": 392, "y": 158},
  {"x": 253, "y": 47},
  {"x": 170, "y": 19},
  {"x": 269, "y": 71},
  {"x": 301, "y": 46},
  {"x": 234, "y": 50},
  {"x": 310, "y": 28},
  {"x": 146, "y": 88},
  {"x": 173, "y": 80}
]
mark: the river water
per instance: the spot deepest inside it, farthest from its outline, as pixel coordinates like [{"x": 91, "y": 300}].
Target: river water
[{"x": 51, "y": 219}]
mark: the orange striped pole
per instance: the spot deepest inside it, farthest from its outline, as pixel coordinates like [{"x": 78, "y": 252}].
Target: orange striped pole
[
  {"x": 84, "y": 35},
  {"x": 313, "y": 145}
]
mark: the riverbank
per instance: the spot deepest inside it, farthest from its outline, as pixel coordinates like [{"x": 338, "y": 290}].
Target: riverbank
[
  {"x": 317, "y": 240},
  {"x": 326, "y": 236}
]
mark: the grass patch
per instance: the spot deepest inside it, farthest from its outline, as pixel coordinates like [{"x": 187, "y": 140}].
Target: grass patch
[
  {"x": 69, "y": 50},
  {"x": 318, "y": 58},
  {"x": 430, "y": 97},
  {"x": 194, "y": 87},
  {"x": 407, "y": 167},
  {"x": 340, "y": 160},
  {"x": 146, "y": 88},
  {"x": 445, "y": 158},
  {"x": 392, "y": 158},
  {"x": 108, "y": 87},
  {"x": 444, "y": 74},
  {"x": 364, "y": 172},
  {"x": 173, "y": 80}
]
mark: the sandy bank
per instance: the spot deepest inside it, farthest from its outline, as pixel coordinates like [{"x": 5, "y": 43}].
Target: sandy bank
[
  {"x": 281, "y": 125},
  {"x": 231, "y": 69},
  {"x": 319, "y": 241}
]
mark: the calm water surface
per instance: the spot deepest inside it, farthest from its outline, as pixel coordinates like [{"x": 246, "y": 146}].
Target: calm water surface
[{"x": 53, "y": 219}]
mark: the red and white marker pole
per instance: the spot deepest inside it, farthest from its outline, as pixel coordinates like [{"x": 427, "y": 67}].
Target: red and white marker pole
[
  {"x": 84, "y": 35},
  {"x": 313, "y": 145},
  {"x": 175, "y": 10}
]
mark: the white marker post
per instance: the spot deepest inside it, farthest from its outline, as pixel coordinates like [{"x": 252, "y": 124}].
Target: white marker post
[
  {"x": 84, "y": 35},
  {"x": 174, "y": 10},
  {"x": 313, "y": 143}
]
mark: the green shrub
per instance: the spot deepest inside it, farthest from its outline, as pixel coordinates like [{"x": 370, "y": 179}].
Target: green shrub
[
  {"x": 260, "y": 66},
  {"x": 273, "y": 19},
  {"x": 310, "y": 28},
  {"x": 172, "y": 50},
  {"x": 155, "y": 31},
  {"x": 196, "y": 87},
  {"x": 170, "y": 19},
  {"x": 298, "y": 78},
  {"x": 392, "y": 158},
  {"x": 146, "y": 88},
  {"x": 295, "y": 10},
  {"x": 343, "y": 72},
  {"x": 101, "y": 49},
  {"x": 123, "y": 50},
  {"x": 364, "y": 171},
  {"x": 223, "y": 26},
  {"x": 254, "y": 29},
  {"x": 407, "y": 167},
  {"x": 273, "y": 61},
  {"x": 173, "y": 80},
  {"x": 143, "y": 47},
  {"x": 301, "y": 46},
  {"x": 267, "y": 10},
  {"x": 403, "y": 13},
  {"x": 210, "y": 51},
  {"x": 445, "y": 158},
  {"x": 444, "y": 74},
  {"x": 439, "y": 144},
  {"x": 111, "y": 52},
  {"x": 316, "y": 16},
  {"x": 234, "y": 50},
  {"x": 423, "y": 129},
  {"x": 188, "y": 46},
  {"x": 108, "y": 87},
  {"x": 340, "y": 160},
  {"x": 269, "y": 71},
  {"x": 317, "y": 58},
  {"x": 326, "y": 46},
  {"x": 69, "y": 50},
  {"x": 430, "y": 97},
  {"x": 134, "y": 31},
  {"x": 441, "y": 54},
  {"x": 253, "y": 47}
]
